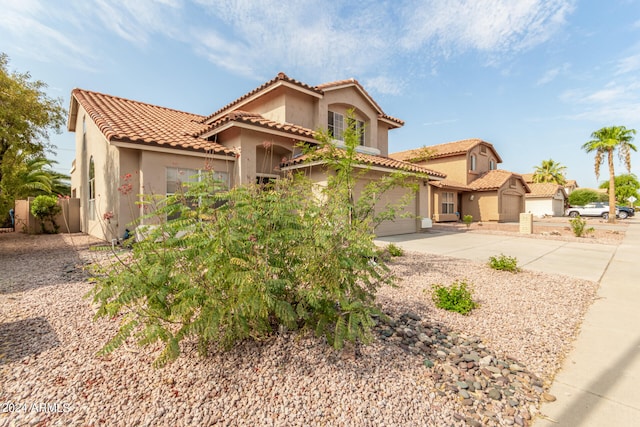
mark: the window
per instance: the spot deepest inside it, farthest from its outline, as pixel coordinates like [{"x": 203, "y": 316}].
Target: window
[
  {"x": 483, "y": 149},
  {"x": 338, "y": 123},
  {"x": 492, "y": 164},
  {"x": 447, "y": 203},
  {"x": 178, "y": 179},
  {"x": 92, "y": 189},
  {"x": 473, "y": 162},
  {"x": 512, "y": 182}
]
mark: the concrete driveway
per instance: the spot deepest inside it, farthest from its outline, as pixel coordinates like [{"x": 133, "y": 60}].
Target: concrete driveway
[{"x": 577, "y": 259}]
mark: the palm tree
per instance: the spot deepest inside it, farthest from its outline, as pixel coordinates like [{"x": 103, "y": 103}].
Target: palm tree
[
  {"x": 606, "y": 141},
  {"x": 550, "y": 171}
]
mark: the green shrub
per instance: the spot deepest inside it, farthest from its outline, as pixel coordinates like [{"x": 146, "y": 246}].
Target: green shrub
[
  {"x": 467, "y": 219},
  {"x": 504, "y": 263},
  {"x": 45, "y": 208},
  {"x": 582, "y": 196},
  {"x": 457, "y": 297},
  {"x": 579, "y": 226},
  {"x": 247, "y": 262},
  {"x": 395, "y": 250}
]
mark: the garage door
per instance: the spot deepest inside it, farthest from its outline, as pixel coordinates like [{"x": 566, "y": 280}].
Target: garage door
[
  {"x": 558, "y": 207},
  {"x": 400, "y": 225},
  {"x": 510, "y": 208}
]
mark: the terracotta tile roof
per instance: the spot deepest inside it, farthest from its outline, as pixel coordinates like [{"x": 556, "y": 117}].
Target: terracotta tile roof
[
  {"x": 124, "y": 120},
  {"x": 546, "y": 189},
  {"x": 494, "y": 179},
  {"x": 354, "y": 82},
  {"x": 371, "y": 160},
  {"x": 450, "y": 184},
  {"x": 571, "y": 183},
  {"x": 281, "y": 77},
  {"x": 443, "y": 150},
  {"x": 256, "y": 119},
  {"x": 528, "y": 177}
]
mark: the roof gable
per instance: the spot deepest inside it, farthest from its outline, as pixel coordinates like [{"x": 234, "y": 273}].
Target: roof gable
[
  {"x": 448, "y": 149},
  {"x": 341, "y": 84},
  {"x": 280, "y": 80},
  {"x": 494, "y": 179}
]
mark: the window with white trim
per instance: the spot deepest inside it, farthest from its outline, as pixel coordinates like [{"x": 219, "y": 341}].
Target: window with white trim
[
  {"x": 91, "y": 184},
  {"x": 338, "y": 123},
  {"x": 447, "y": 203}
]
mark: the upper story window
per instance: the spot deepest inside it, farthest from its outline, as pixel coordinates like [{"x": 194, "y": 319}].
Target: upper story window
[
  {"x": 483, "y": 149},
  {"x": 92, "y": 189},
  {"x": 492, "y": 164},
  {"x": 474, "y": 162},
  {"x": 338, "y": 123}
]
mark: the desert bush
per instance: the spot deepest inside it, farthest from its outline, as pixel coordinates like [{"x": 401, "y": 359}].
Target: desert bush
[
  {"x": 467, "y": 219},
  {"x": 395, "y": 250},
  {"x": 457, "y": 297},
  {"x": 504, "y": 263},
  {"x": 45, "y": 208},
  {"x": 579, "y": 226},
  {"x": 244, "y": 263}
]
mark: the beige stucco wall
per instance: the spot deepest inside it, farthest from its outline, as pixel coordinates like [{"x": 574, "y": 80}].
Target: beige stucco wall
[
  {"x": 106, "y": 160},
  {"x": 455, "y": 167}
]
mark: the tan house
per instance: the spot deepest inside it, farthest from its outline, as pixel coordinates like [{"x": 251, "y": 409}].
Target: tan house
[
  {"x": 125, "y": 147},
  {"x": 473, "y": 186},
  {"x": 547, "y": 199}
]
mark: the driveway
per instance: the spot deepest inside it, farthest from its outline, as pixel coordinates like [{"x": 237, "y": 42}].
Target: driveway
[{"x": 584, "y": 260}]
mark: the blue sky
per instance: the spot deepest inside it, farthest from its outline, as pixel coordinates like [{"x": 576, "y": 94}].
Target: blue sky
[{"x": 533, "y": 77}]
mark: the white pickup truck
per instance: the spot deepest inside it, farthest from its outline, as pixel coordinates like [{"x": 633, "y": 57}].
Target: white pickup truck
[{"x": 590, "y": 209}]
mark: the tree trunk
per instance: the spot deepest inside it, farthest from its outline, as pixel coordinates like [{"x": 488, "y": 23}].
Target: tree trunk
[{"x": 612, "y": 189}]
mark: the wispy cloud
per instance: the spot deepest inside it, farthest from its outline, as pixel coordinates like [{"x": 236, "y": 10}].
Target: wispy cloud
[
  {"x": 551, "y": 74},
  {"x": 628, "y": 64},
  {"x": 384, "y": 85},
  {"x": 22, "y": 28},
  {"x": 328, "y": 40},
  {"x": 483, "y": 25},
  {"x": 616, "y": 102}
]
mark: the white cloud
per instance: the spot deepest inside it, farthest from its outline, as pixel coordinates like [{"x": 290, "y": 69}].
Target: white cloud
[
  {"x": 327, "y": 40},
  {"x": 384, "y": 85},
  {"x": 628, "y": 65},
  {"x": 485, "y": 25},
  {"x": 551, "y": 74},
  {"x": 27, "y": 34}
]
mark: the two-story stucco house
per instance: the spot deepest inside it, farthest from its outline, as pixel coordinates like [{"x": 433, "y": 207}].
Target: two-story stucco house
[
  {"x": 125, "y": 147},
  {"x": 473, "y": 186}
]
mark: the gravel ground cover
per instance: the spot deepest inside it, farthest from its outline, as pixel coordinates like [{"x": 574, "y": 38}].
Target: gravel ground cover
[{"x": 425, "y": 367}]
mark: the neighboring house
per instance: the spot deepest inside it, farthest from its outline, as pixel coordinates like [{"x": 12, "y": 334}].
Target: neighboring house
[
  {"x": 473, "y": 185},
  {"x": 125, "y": 148},
  {"x": 570, "y": 186},
  {"x": 546, "y": 199}
]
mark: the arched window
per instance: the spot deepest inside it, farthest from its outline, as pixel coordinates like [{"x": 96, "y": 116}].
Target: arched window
[{"x": 92, "y": 189}]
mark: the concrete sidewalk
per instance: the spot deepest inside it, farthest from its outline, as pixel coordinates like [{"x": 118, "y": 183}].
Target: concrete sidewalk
[{"x": 599, "y": 383}]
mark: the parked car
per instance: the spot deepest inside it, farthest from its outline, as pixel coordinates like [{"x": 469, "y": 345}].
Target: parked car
[
  {"x": 625, "y": 212},
  {"x": 590, "y": 209}
]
